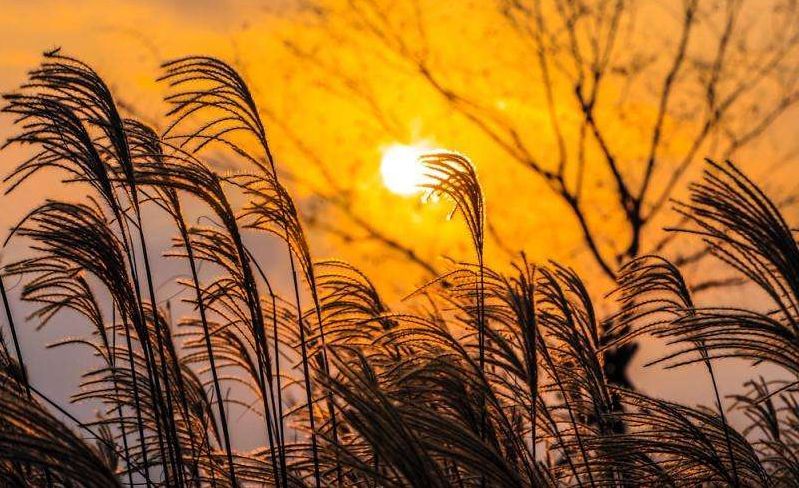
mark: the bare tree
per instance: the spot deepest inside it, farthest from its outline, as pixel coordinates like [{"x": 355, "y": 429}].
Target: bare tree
[
  {"x": 714, "y": 76},
  {"x": 633, "y": 93}
]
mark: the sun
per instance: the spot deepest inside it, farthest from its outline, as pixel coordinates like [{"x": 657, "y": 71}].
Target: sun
[{"x": 401, "y": 170}]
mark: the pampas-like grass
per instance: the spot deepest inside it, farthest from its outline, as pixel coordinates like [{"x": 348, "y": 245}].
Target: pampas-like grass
[{"x": 491, "y": 379}]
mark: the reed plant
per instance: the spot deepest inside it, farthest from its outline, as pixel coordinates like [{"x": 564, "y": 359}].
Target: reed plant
[{"x": 484, "y": 378}]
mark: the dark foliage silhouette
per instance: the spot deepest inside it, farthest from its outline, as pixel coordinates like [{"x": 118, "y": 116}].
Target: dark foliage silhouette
[{"x": 484, "y": 379}]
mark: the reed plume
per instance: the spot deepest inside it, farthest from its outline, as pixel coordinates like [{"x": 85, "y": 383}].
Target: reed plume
[{"x": 486, "y": 376}]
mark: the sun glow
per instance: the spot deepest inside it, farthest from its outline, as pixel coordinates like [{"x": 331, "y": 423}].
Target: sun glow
[{"x": 401, "y": 170}]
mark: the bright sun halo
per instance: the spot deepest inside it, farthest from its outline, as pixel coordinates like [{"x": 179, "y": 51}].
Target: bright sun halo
[{"x": 401, "y": 170}]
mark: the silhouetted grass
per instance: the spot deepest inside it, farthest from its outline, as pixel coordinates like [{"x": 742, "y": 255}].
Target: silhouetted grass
[{"x": 494, "y": 379}]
